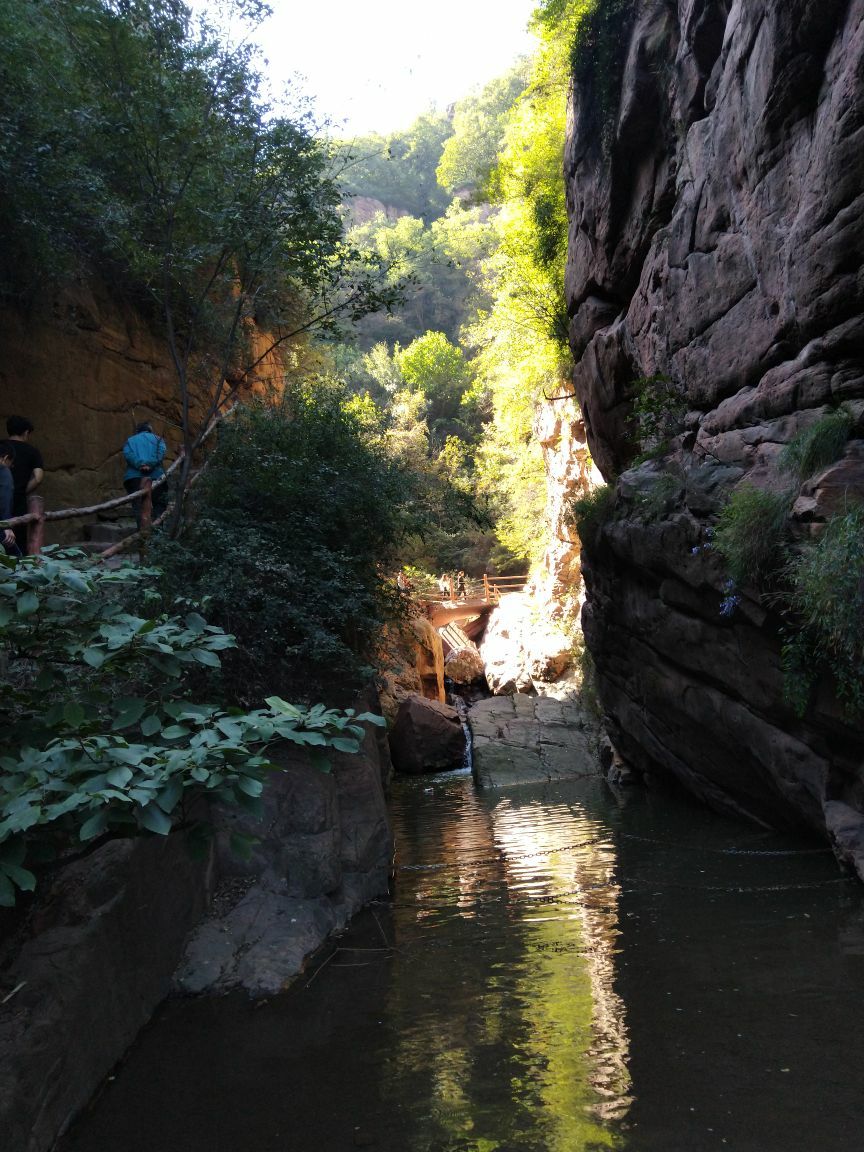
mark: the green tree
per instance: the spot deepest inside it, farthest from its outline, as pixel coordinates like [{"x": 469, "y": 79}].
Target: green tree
[
  {"x": 399, "y": 169},
  {"x": 215, "y": 210},
  {"x": 472, "y": 152},
  {"x": 437, "y": 369},
  {"x": 439, "y": 263},
  {"x": 294, "y": 529}
]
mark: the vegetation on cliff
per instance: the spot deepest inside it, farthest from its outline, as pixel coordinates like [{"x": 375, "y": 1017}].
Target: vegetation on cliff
[{"x": 104, "y": 733}]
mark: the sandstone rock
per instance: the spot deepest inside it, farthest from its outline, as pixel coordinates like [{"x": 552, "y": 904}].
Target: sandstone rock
[
  {"x": 104, "y": 942},
  {"x": 412, "y": 662},
  {"x": 723, "y": 228},
  {"x": 464, "y": 666},
  {"x": 85, "y": 367},
  {"x": 531, "y": 740},
  {"x": 522, "y": 645},
  {"x": 427, "y": 737}
]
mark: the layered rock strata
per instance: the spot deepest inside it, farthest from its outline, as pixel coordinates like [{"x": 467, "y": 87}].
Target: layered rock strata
[
  {"x": 532, "y": 740},
  {"x": 716, "y": 240}
]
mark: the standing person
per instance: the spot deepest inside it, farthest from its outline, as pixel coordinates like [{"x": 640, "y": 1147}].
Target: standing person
[
  {"x": 144, "y": 453},
  {"x": 460, "y": 584},
  {"x": 8, "y": 543},
  {"x": 27, "y": 471}
]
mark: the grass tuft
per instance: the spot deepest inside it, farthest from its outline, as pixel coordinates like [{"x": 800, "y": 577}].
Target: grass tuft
[
  {"x": 826, "y": 596},
  {"x": 816, "y": 447},
  {"x": 750, "y": 533},
  {"x": 590, "y": 512}
]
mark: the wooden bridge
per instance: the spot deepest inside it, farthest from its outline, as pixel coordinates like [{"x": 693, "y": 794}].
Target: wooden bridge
[{"x": 474, "y": 602}]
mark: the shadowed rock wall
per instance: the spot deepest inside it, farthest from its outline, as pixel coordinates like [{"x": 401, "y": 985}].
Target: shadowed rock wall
[
  {"x": 716, "y": 237},
  {"x": 98, "y": 950}
]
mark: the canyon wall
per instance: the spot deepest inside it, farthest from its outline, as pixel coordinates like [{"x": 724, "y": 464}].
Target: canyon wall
[
  {"x": 85, "y": 366},
  {"x": 716, "y": 240}
]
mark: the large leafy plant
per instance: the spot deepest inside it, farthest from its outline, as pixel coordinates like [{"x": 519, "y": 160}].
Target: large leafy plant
[{"x": 99, "y": 737}]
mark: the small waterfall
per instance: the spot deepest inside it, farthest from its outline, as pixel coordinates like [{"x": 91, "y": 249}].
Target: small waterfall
[{"x": 462, "y": 708}]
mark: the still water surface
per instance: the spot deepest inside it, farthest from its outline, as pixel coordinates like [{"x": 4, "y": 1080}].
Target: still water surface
[{"x": 559, "y": 970}]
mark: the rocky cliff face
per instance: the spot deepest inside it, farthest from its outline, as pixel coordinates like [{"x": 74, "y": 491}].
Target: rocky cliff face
[
  {"x": 84, "y": 366},
  {"x": 717, "y": 235}
]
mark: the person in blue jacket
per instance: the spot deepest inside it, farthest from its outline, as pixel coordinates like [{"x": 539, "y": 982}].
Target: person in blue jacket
[{"x": 144, "y": 453}]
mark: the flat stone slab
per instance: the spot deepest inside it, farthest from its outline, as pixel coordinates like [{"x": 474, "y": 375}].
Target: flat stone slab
[
  {"x": 532, "y": 740},
  {"x": 260, "y": 945}
]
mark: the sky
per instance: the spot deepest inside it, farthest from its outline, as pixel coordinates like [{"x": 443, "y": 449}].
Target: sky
[{"x": 375, "y": 65}]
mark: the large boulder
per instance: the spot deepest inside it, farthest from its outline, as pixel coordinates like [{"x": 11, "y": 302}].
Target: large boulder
[
  {"x": 427, "y": 737},
  {"x": 411, "y": 660},
  {"x": 522, "y": 645},
  {"x": 465, "y": 666}
]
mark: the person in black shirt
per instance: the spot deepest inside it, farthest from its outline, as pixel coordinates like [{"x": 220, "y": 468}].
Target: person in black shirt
[
  {"x": 7, "y": 536},
  {"x": 27, "y": 471}
]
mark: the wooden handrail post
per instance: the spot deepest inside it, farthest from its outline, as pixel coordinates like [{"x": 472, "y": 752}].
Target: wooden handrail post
[
  {"x": 35, "y": 528},
  {"x": 485, "y": 586},
  {"x": 146, "y": 503}
]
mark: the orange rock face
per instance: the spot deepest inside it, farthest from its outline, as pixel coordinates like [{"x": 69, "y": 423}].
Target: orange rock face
[{"x": 85, "y": 368}]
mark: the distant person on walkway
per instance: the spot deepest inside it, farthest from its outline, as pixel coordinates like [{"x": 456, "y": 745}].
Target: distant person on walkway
[
  {"x": 144, "y": 453},
  {"x": 8, "y": 543},
  {"x": 460, "y": 585},
  {"x": 444, "y": 585},
  {"x": 27, "y": 471}
]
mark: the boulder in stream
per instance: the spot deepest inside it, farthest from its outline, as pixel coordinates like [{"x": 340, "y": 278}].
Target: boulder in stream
[
  {"x": 427, "y": 737},
  {"x": 465, "y": 666}
]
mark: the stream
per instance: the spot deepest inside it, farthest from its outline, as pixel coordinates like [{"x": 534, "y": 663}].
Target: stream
[{"x": 561, "y": 968}]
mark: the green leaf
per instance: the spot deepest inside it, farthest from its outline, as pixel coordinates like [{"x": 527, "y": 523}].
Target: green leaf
[
  {"x": 28, "y": 602},
  {"x": 74, "y": 580},
  {"x": 203, "y": 656},
  {"x": 95, "y": 826},
  {"x": 95, "y": 657},
  {"x": 150, "y": 725},
  {"x": 169, "y": 797},
  {"x": 7, "y": 892},
  {"x": 154, "y": 819},
  {"x": 343, "y": 745},
  {"x": 130, "y": 712},
  {"x": 320, "y": 760},
  {"x": 175, "y": 732},
  {"x": 307, "y": 738},
  {"x": 73, "y": 714},
  {"x": 21, "y": 877},
  {"x": 196, "y": 623},
  {"x": 119, "y": 777},
  {"x": 371, "y": 718},
  {"x": 230, "y": 728},
  {"x": 279, "y": 705},
  {"x": 250, "y": 785}
]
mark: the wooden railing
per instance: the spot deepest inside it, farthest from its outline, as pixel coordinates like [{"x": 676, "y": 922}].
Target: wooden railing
[
  {"x": 36, "y": 517},
  {"x": 489, "y": 588},
  {"x": 494, "y": 587}
]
